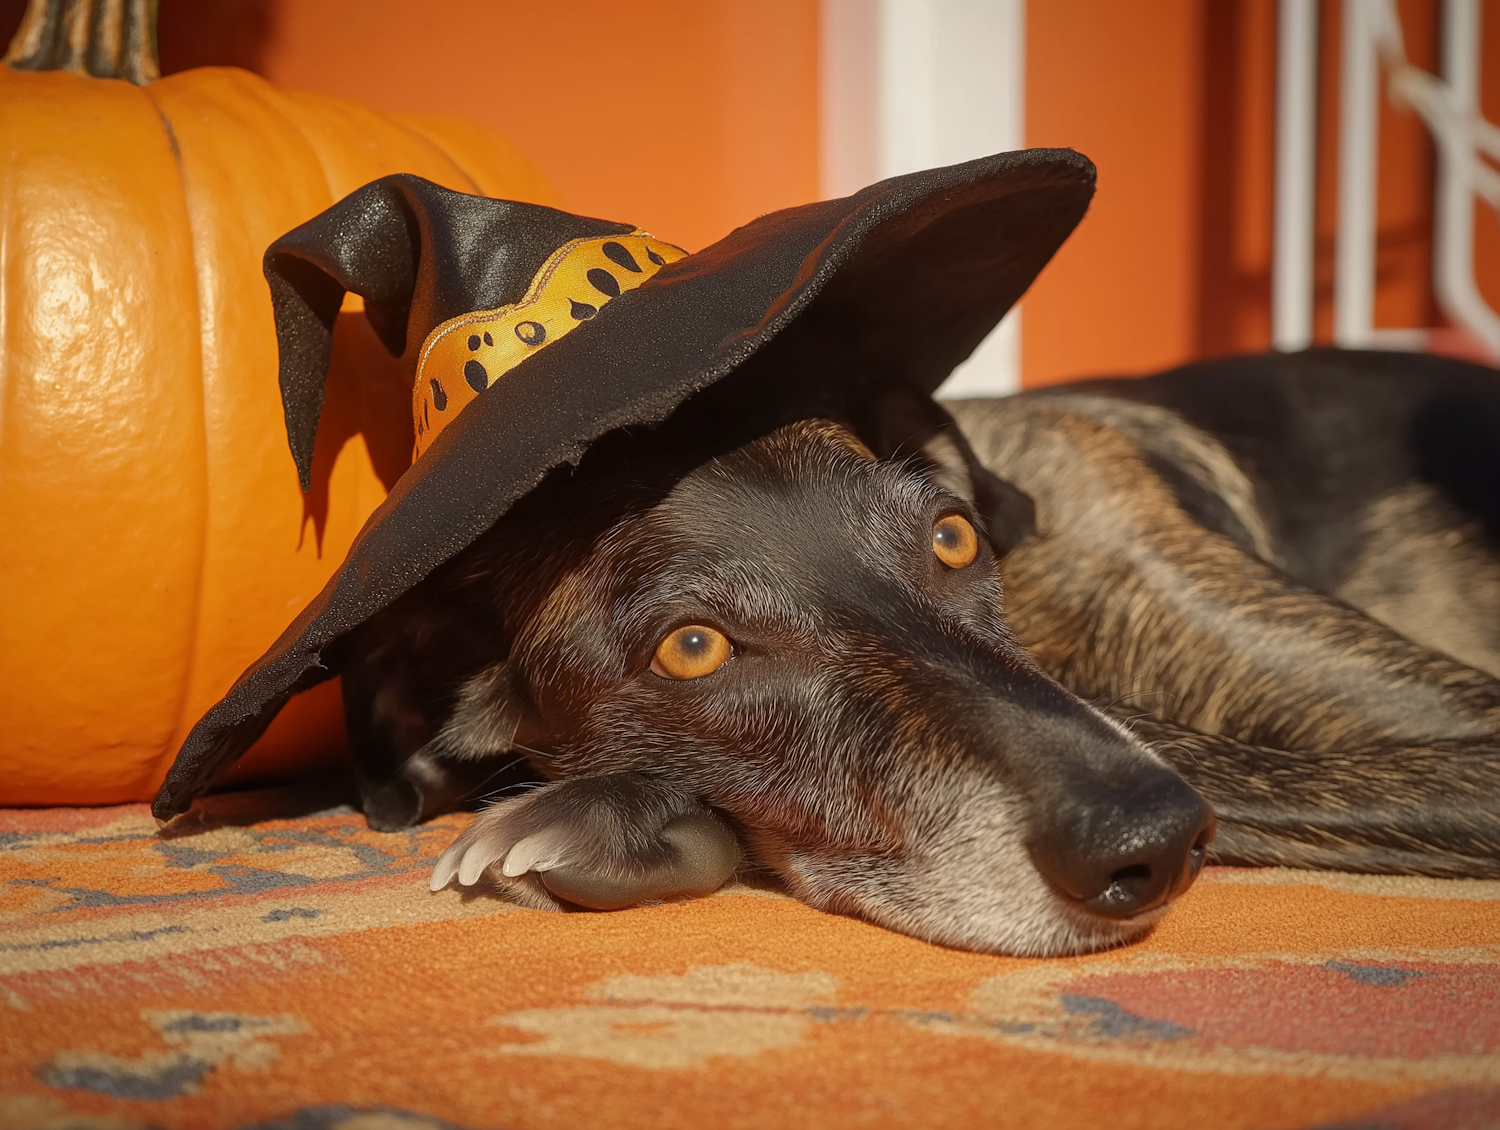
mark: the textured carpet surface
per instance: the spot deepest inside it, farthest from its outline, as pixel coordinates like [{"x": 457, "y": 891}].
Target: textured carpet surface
[{"x": 296, "y": 973}]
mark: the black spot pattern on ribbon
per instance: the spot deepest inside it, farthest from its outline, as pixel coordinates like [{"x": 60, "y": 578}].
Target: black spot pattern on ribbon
[
  {"x": 531, "y": 333},
  {"x": 440, "y": 394},
  {"x": 488, "y": 340},
  {"x": 620, "y": 256},
  {"x": 473, "y": 342},
  {"x": 582, "y": 311},
  {"x": 474, "y": 373},
  {"x": 655, "y": 258},
  {"x": 604, "y": 282}
]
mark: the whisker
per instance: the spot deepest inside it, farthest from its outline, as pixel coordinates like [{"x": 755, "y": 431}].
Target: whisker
[
  {"x": 517, "y": 789},
  {"x": 527, "y": 749},
  {"x": 471, "y": 793}
]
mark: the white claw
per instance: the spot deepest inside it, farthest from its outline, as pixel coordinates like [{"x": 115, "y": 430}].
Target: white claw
[
  {"x": 444, "y": 871},
  {"x": 537, "y": 852},
  {"x": 479, "y": 856}
]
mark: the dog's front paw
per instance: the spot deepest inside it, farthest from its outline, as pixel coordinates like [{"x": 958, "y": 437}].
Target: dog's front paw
[{"x": 599, "y": 842}]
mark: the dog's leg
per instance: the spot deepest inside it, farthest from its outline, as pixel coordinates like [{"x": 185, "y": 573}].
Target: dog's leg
[
  {"x": 391, "y": 720},
  {"x": 385, "y": 728},
  {"x": 1321, "y": 737},
  {"x": 598, "y": 842}
]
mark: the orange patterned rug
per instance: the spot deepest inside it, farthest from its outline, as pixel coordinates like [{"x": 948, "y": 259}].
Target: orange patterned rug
[{"x": 295, "y": 973}]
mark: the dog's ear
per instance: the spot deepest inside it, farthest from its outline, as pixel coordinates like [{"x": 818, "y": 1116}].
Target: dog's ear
[
  {"x": 492, "y": 714},
  {"x": 418, "y": 254},
  {"x": 903, "y": 423}
]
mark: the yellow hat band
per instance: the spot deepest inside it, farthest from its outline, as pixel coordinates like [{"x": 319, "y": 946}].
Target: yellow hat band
[{"x": 465, "y": 355}]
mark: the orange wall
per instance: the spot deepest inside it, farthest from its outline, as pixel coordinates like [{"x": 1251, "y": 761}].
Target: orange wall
[
  {"x": 1175, "y": 102},
  {"x": 687, "y": 118},
  {"x": 1236, "y": 145},
  {"x": 692, "y": 116},
  {"x": 1126, "y": 91}
]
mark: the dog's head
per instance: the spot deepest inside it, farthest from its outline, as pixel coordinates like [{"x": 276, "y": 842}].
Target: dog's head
[{"x": 812, "y": 639}]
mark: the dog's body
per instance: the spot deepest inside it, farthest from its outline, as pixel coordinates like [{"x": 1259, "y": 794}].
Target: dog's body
[
  {"x": 881, "y": 739},
  {"x": 1283, "y": 573}
]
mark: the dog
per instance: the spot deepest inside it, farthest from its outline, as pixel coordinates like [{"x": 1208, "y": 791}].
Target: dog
[
  {"x": 1281, "y": 572},
  {"x": 687, "y": 538},
  {"x": 978, "y": 685}
]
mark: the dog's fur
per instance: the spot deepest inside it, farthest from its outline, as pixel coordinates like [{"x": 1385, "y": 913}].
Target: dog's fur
[
  {"x": 891, "y": 743},
  {"x": 1283, "y": 573}
]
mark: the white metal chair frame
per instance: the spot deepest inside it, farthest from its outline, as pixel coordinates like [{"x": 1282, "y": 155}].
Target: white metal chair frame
[{"x": 1372, "y": 40}]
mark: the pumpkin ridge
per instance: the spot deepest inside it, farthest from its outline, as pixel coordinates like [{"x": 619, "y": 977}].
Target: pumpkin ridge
[
  {"x": 434, "y": 144},
  {"x": 353, "y": 116},
  {"x": 166, "y": 124},
  {"x": 219, "y": 105},
  {"x": 263, "y": 92},
  {"x": 103, "y": 498},
  {"x": 485, "y": 153},
  {"x": 148, "y": 507},
  {"x": 192, "y": 636},
  {"x": 7, "y": 244}
]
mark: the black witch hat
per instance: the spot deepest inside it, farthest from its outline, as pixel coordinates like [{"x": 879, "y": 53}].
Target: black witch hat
[{"x": 532, "y": 333}]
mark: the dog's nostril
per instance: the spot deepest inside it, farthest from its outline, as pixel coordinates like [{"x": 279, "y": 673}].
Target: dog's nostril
[
  {"x": 1130, "y": 890},
  {"x": 1134, "y": 871},
  {"x": 1124, "y": 895},
  {"x": 1199, "y": 852}
]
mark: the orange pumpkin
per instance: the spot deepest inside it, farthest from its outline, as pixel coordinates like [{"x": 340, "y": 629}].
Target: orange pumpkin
[{"x": 153, "y": 536}]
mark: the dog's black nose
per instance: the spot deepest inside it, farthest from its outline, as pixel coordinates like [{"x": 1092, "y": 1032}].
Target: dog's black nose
[{"x": 1122, "y": 851}]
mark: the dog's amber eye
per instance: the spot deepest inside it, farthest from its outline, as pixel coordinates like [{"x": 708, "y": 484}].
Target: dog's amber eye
[
  {"x": 954, "y": 541},
  {"x": 691, "y": 653}
]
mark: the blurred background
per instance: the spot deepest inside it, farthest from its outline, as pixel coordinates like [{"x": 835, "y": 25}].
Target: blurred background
[{"x": 689, "y": 117}]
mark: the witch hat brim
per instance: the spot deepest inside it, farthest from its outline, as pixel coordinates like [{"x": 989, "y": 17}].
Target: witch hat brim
[{"x": 897, "y": 284}]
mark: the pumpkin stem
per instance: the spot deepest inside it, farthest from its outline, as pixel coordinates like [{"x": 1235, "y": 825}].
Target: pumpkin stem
[{"x": 103, "y": 38}]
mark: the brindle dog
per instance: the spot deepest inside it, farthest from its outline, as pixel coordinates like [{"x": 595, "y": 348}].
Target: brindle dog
[
  {"x": 1282, "y": 573},
  {"x": 1268, "y": 574}
]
